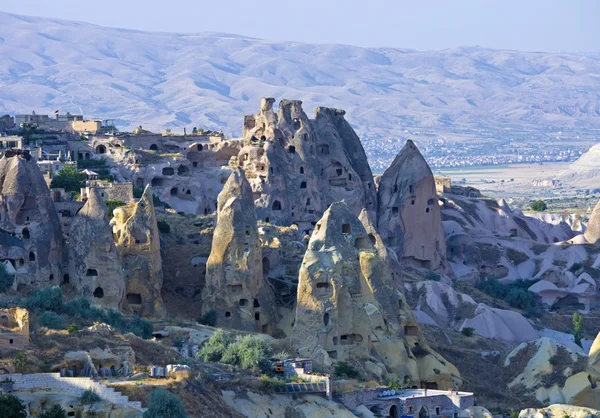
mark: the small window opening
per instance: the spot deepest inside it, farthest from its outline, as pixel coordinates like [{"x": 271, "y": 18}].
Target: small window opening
[{"x": 346, "y": 229}]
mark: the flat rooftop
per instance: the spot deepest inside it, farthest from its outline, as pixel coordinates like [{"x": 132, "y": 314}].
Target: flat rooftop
[{"x": 425, "y": 393}]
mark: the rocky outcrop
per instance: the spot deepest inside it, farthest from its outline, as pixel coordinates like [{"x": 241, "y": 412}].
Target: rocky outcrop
[
  {"x": 235, "y": 287},
  {"x": 27, "y": 211},
  {"x": 298, "y": 166},
  {"x": 95, "y": 268},
  {"x": 500, "y": 324},
  {"x": 138, "y": 243},
  {"x": 559, "y": 411},
  {"x": 348, "y": 309},
  {"x": 409, "y": 218},
  {"x": 592, "y": 230}
]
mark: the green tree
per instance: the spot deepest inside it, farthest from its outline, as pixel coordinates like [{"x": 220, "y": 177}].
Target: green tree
[
  {"x": 69, "y": 178},
  {"x": 11, "y": 407},
  {"x": 577, "y": 328},
  {"x": 6, "y": 280},
  {"x": 538, "y": 206},
  {"x": 164, "y": 404},
  {"x": 89, "y": 397},
  {"x": 112, "y": 205},
  {"x": 467, "y": 331},
  {"x": 55, "y": 412}
]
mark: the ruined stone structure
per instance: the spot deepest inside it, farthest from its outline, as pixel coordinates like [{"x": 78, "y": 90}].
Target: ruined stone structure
[
  {"x": 235, "y": 287},
  {"x": 95, "y": 267},
  {"x": 592, "y": 231},
  {"x": 14, "y": 328},
  {"x": 138, "y": 243},
  {"x": 409, "y": 218},
  {"x": 300, "y": 166},
  {"x": 348, "y": 309},
  {"x": 109, "y": 190},
  {"x": 27, "y": 212}
]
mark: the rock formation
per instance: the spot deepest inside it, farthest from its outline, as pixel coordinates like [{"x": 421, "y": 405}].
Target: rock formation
[
  {"x": 235, "y": 287},
  {"x": 409, "y": 218},
  {"x": 300, "y": 166},
  {"x": 138, "y": 243},
  {"x": 348, "y": 309},
  {"x": 27, "y": 211},
  {"x": 592, "y": 230},
  {"x": 95, "y": 267}
]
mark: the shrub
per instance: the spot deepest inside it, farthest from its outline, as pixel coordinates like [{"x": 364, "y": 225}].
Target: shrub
[
  {"x": 577, "y": 328},
  {"x": 140, "y": 327},
  {"x": 69, "y": 178},
  {"x": 538, "y": 206},
  {"x": 138, "y": 192},
  {"x": 553, "y": 361},
  {"x": 343, "y": 369},
  {"x": 89, "y": 397},
  {"x": 467, "y": 331},
  {"x": 515, "y": 294},
  {"x": 55, "y": 412},
  {"x": 163, "y": 227},
  {"x": 51, "y": 320},
  {"x": 72, "y": 328},
  {"x": 575, "y": 267},
  {"x": 6, "y": 280},
  {"x": 112, "y": 205},
  {"x": 215, "y": 347},
  {"x": 46, "y": 299},
  {"x": 209, "y": 318},
  {"x": 249, "y": 352},
  {"x": 164, "y": 404},
  {"x": 12, "y": 407},
  {"x": 433, "y": 276}
]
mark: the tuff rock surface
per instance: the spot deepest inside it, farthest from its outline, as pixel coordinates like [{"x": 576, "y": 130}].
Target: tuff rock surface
[
  {"x": 592, "y": 231},
  {"x": 409, "y": 218},
  {"x": 348, "y": 309},
  {"x": 138, "y": 244},
  {"x": 236, "y": 288},
  {"x": 95, "y": 267}
]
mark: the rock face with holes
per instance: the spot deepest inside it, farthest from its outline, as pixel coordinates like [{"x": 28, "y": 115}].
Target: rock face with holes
[
  {"x": 592, "y": 231},
  {"x": 95, "y": 267},
  {"x": 235, "y": 287},
  {"x": 298, "y": 166},
  {"x": 349, "y": 309},
  {"x": 409, "y": 218},
  {"x": 33, "y": 244},
  {"x": 138, "y": 243}
]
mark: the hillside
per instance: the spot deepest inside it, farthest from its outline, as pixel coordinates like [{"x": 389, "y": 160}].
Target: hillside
[{"x": 162, "y": 80}]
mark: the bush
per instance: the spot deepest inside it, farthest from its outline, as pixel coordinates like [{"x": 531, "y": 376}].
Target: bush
[
  {"x": 55, "y": 412},
  {"x": 553, "y": 360},
  {"x": 89, "y": 397},
  {"x": 11, "y": 407},
  {"x": 73, "y": 328},
  {"x": 209, "y": 318},
  {"x": 212, "y": 351},
  {"x": 164, "y": 404},
  {"x": 6, "y": 280},
  {"x": 140, "y": 327},
  {"x": 69, "y": 178},
  {"x": 164, "y": 227},
  {"x": 575, "y": 267},
  {"x": 112, "y": 205},
  {"x": 433, "y": 276},
  {"x": 467, "y": 331},
  {"x": 250, "y": 352},
  {"x": 46, "y": 299},
  {"x": 51, "y": 320},
  {"x": 538, "y": 206},
  {"x": 343, "y": 369},
  {"x": 515, "y": 294}
]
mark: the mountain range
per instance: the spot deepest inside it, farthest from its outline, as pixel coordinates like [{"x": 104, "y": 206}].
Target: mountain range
[{"x": 171, "y": 80}]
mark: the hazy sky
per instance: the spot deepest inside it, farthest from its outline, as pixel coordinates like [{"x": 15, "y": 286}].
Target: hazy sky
[{"x": 531, "y": 25}]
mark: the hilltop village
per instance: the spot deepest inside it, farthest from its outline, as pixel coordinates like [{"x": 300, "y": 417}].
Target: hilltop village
[{"x": 389, "y": 295}]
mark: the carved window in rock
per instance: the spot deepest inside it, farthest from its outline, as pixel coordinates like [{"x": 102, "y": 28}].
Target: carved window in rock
[
  {"x": 173, "y": 191},
  {"x": 257, "y": 316},
  {"x": 31, "y": 256},
  {"x": 301, "y": 170},
  {"x": 256, "y": 303},
  {"x": 276, "y": 205},
  {"x": 168, "y": 171},
  {"x": 323, "y": 149},
  {"x": 99, "y": 293},
  {"x": 134, "y": 298},
  {"x": 91, "y": 273},
  {"x": 154, "y": 147},
  {"x": 411, "y": 189},
  {"x": 25, "y": 233},
  {"x": 395, "y": 210},
  {"x": 323, "y": 287},
  {"x": 361, "y": 243},
  {"x": 66, "y": 278},
  {"x": 326, "y": 318},
  {"x": 291, "y": 149},
  {"x": 346, "y": 229},
  {"x": 235, "y": 288},
  {"x": 348, "y": 339},
  {"x": 243, "y": 302},
  {"x": 372, "y": 239},
  {"x": 303, "y": 185},
  {"x": 411, "y": 330}
]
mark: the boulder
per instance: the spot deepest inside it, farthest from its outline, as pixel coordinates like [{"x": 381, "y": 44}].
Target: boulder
[
  {"x": 500, "y": 324},
  {"x": 559, "y": 411}
]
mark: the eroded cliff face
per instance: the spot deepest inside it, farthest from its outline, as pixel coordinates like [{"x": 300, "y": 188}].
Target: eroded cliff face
[
  {"x": 27, "y": 211},
  {"x": 235, "y": 287},
  {"x": 95, "y": 267},
  {"x": 592, "y": 231},
  {"x": 409, "y": 218},
  {"x": 348, "y": 307},
  {"x": 138, "y": 244},
  {"x": 298, "y": 166}
]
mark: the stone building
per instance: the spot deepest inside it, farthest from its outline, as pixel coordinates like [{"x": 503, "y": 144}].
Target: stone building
[
  {"x": 138, "y": 243},
  {"x": 409, "y": 218},
  {"x": 95, "y": 268},
  {"x": 27, "y": 211},
  {"x": 349, "y": 309},
  {"x": 14, "y": 328},
  {"x": 235, "y": 286},
  {"x": 109, "y": 190}
]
